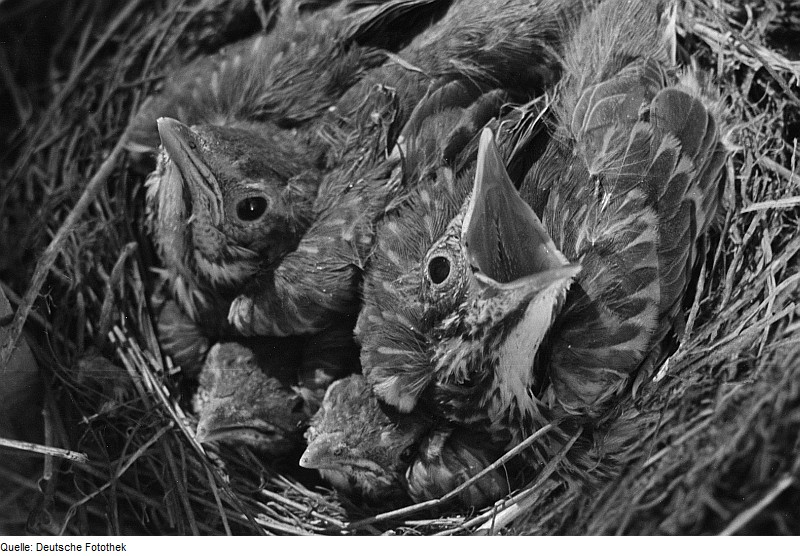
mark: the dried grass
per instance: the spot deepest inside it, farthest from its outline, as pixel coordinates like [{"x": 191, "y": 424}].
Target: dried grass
[{"x": 721, "y": 449}]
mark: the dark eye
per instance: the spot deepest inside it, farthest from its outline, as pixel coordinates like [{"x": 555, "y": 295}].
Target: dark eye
[
  {"x": 439, "y": 269},
  {"x": 251, "y": 208}
]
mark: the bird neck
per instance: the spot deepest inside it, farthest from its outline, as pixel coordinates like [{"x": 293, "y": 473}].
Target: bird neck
[
  {"x": 516, "y": 377},
  {"x": 495, "y": 365}
]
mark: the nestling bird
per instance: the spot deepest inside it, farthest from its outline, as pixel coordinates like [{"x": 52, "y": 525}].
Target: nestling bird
[
  {"x": 247, "y": 398},
  {"x": 363, "y": 447},
  {"x": 219, "y": 210},
  {"x": 234, "y": 192},
  {"x": 356, "y": 446},
  {"x": 503, "y": 320}
]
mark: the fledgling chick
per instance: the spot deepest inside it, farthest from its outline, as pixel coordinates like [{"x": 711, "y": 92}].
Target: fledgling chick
[
  {"x": 239, "y": 165},
  {"x": 357, "y": 447},
  {"x": 501, "y": 317},
  {"x": 219, "y": 209},
  {"x": 243, "y": 398},
  {"x": 363, "y": 448}
]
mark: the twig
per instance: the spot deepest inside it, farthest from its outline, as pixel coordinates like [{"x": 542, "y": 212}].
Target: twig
[
  {"x": 686, "y": 436},
  {"x": 786, "y": 202},
  {"x": 44, "y": 450},
  {"x": 782, "y": 171},
  {"x": 181, "y": 489},
  {"x": 65, "y": 91},
  {"x": 746, "y": 49},
  {"x": 300, "y": 507},
  {"x": 280, "y": 528},
  {"x": 47, "y": 422},
  {"x": 408, "y": 510},
  {"x": 738, "y": 257},
  {"x": 109, "y": 295},
  {"x": 698, "y": 300},
  {"x": 15, "y": 92},
  {"x": 14, "y": 299},
  {"x": 744, "y": 518},
  {"x": 525, "y": 500},
  {"x": 48, "y": 258},
  {"x": 218, "y": 501},
  {"x": 136, "y": 455}
]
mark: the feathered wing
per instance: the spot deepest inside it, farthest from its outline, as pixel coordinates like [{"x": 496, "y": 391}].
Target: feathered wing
[
  {"x": 394, "y": 325},
  {"x": 630, "y": 209}
]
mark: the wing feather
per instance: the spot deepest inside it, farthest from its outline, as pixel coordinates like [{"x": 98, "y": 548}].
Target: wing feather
[{"x": 630, "y": 208}]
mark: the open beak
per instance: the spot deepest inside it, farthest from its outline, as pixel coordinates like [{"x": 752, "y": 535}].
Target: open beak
[
  {"x": 515, "y": 261},
  {"x": 182, "y": 146},
  {"x": 503, "y": 237}
]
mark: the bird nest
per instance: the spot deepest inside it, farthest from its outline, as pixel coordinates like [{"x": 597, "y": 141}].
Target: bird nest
[{"x": 718, "y": 450}]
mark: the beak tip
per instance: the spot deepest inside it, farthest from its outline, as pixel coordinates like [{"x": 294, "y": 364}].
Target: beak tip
[
  {"x": 171, "y": 130},
  {"x": 166, "y": 121},
  {"x": 163, "y": 123},
  {"x": 306, "y": 460},
  {"x": 486, "y": 137}
]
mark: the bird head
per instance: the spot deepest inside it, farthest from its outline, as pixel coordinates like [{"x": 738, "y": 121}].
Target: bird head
[
  {"x": 356, "y": 445},
  {"x": 238, "y": 402},
  {"x": 227, "y": 200},
  {"x": 473, "y": 311}
]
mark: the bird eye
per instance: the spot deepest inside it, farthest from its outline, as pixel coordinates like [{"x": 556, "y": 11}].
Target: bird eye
[
  {"x": 251, "y": 208},
  {"x": 439, "y": 269}
]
